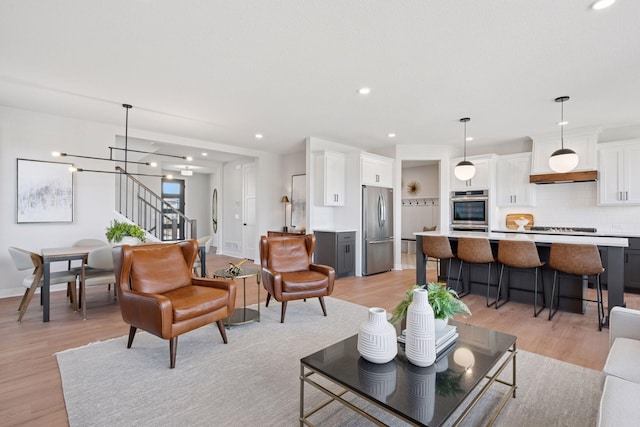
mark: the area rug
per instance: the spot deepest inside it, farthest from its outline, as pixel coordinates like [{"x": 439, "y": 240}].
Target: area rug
[{"x": 253, "y": 380}]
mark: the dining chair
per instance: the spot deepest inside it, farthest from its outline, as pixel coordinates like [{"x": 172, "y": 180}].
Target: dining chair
[
  {"x": 202, "y": 241},
  {"x": 84, "y": 243},
  {"x": 24, "y": 260},
  {"x": 98, "y": 271}
]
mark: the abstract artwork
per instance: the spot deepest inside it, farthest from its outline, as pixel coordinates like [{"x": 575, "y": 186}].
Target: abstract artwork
[
  {"x": 45, "y": 191},
  {"x": 298, "y": 200}
]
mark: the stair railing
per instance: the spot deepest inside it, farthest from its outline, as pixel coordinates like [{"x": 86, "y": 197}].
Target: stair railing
[{"x": 140, "y": 204}]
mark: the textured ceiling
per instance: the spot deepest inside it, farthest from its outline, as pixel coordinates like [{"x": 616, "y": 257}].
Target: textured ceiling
[{"x": 222, "y": 70}]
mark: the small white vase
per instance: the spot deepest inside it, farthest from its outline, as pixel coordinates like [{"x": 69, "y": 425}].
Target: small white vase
[
  {"x": 128, "y": 240},
  {"x": 377, "y": 338},
  {"x": 420, "y": 345},
  {"x": 440, "y": 324}
]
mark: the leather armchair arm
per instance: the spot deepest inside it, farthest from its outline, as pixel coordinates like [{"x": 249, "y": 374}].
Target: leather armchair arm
[
  {"x": 329, "y": 271},
  {"x": 324, "y": 269},
  {"x": 227, "y": 285},
  {"x": 272, "y": 281},
  {"x": 150, "y": 312}
]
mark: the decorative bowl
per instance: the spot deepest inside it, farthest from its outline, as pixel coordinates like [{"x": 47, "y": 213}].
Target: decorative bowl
[{"x": 521, "y": 223}]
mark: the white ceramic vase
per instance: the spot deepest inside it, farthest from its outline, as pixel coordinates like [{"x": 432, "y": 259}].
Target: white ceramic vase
[
  {"x": 377, "y": 338},
  {"x": 420, "y": 345},
  {"x": 440, "y": 324},
  {"x": 128, "y": 240}
]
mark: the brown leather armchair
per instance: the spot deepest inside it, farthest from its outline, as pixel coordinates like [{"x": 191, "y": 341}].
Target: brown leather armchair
[
  {"x": 158, "y": 293},
  {"x": 289, "y": 274}
]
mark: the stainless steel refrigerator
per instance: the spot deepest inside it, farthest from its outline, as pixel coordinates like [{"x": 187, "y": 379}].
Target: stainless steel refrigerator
[{"x": 377, "y": 226}]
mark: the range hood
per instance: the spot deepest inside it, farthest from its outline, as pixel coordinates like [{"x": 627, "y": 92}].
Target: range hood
[{"x": 558, "y": 178}]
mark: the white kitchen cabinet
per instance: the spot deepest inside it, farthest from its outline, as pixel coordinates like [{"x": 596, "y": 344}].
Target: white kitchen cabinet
[
  {"x": 376, "y": 170},
  {"x": 330, "y": 178},
  {"x": 480, "y": 180},
  {"x": 512, "y": 183},
  {"x": 584, "y": 144},
  {"x": 619, "y": 174}
]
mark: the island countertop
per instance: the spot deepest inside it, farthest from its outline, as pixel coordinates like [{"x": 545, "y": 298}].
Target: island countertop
[{"x": 536, "y": 238}]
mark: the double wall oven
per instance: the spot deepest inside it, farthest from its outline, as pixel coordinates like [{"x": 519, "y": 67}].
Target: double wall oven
[{"x": 470, "y": 210}]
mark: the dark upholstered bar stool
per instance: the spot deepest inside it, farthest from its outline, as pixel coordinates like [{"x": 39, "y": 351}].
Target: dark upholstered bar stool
[
  {"x": 520, "y": 254},
  {"x": 439, "y": 248},
  {"x": 476, "y": 251},
  {"x": 576, "y": 260}
]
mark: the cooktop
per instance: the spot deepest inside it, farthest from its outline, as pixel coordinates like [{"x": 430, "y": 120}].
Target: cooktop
[{"x": 564, "y": 229}]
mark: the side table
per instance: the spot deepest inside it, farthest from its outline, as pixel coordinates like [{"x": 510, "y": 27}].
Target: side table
[{"x": 243, "y": 315}]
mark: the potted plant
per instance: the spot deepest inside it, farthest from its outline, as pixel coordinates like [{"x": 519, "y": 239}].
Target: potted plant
[
  {"x": 119, "y": 230},
  {"x": 444, "y": 302}
]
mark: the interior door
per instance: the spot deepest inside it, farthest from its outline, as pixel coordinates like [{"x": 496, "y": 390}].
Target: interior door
[{"x": 249, "y": 236}]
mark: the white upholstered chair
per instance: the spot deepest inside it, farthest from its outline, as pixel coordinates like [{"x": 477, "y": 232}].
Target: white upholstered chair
[
  {"x": 98, "y": 271},
  {"x": 25, "y": 260}
]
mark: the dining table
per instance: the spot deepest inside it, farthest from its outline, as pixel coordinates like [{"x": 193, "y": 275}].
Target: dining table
[
  {"x": 70, "y": 253},
  {"x": 51, "y": 255}
]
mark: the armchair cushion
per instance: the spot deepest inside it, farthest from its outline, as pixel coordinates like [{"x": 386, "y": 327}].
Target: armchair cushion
[
  {"x": 300, "y": 281},
  {"x": 158, "y": 269},
  {"x": 288, "y": 255},
  {"x": 189, "y": 302}
]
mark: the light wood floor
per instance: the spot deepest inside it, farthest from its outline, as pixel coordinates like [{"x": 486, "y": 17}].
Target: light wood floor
[{"x": 31, "y": 389}]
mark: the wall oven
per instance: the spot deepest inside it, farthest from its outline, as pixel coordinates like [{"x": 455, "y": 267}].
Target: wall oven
[{"x": 470, "y": 210}]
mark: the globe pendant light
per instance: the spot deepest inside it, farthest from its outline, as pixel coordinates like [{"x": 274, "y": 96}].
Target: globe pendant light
[
  {"x": 465, "y": 170},
  {"x": 564, "y": 159}
]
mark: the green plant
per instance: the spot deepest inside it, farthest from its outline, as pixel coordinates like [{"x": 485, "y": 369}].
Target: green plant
[
  {"x": 444, "y": 302},
  {"x": 118, "y": 229}
]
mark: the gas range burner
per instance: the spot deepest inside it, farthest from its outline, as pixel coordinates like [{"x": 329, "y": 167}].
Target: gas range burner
[{"x": 564, "y": 229}]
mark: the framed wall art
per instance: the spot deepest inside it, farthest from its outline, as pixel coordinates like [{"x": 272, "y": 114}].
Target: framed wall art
[
  {"x": 298, "y": 200},
  {"x": 45, "y": 191}
]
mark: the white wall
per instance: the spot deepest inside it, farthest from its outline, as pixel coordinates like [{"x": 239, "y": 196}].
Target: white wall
[
  {"x": 34, "y": 136},
  {"x": 292, "y": 164},
  {"x": 31, "y": 135},
  {"x": 423, "y": 208},
  {"x": 575, "y": 205}
]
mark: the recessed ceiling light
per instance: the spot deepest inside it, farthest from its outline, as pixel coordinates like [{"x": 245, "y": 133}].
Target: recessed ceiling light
[
  {"x": 258, "y": 136},
  {"x": 153, "y": 164},
  {"x": 469, "y": 138},
  {"x": 602, "y": 4},
  {"x": 189, "y": 159},
  {"x": 204, "y": 154},
  {"x": 364, "y": 91},
  {"x": 563, "y": 123},
  {"x": 392, "y": 135}
]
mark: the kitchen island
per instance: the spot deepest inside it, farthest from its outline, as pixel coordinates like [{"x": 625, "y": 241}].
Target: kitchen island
[{"x": 611, "y": 250}]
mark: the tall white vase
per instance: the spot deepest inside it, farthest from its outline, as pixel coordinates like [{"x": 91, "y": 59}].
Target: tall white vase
[
  {"x": 420, "y": 345},
  {"x": 377, "y": 338}
]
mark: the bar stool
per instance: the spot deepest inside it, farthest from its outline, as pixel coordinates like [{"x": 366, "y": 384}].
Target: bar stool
[
  {"x": 476, "y": 251},
  {"x": 439, "y": 248},
  {"x": 576, "y": 260},
  {"x": 520, "y": 254}
]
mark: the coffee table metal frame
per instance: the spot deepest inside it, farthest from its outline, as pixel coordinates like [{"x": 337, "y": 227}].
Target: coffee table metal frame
[
  {"x": 307, "y": 372},
  {"x": 243, "y": 315}
]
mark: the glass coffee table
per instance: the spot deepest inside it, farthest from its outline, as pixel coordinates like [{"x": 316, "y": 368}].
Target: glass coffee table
[
  {"x": 243, "y": 315},
  {"x": 419, "y": 396}
]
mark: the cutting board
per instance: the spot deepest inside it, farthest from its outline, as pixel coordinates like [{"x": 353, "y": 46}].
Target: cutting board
[{"x": 511, "y": 221}]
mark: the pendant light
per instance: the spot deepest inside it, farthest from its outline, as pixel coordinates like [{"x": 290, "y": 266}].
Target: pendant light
[
  {"x": 465, "y": 170},
  {"x": 564, "y": 159}
]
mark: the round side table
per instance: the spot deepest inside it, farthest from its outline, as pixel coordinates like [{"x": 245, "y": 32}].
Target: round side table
[{"x": 243, "y": 315}]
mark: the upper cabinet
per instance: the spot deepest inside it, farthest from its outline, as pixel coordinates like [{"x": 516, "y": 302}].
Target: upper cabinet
[
  {"x": 480, "y": 180},
  {"x": 619, "y": 180},
  {"x": 512, "y": 183},
  {"x": 584, "y": 143},
  {"x": 376, "y": 170},
  {"x": 329, "y": 178}
]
